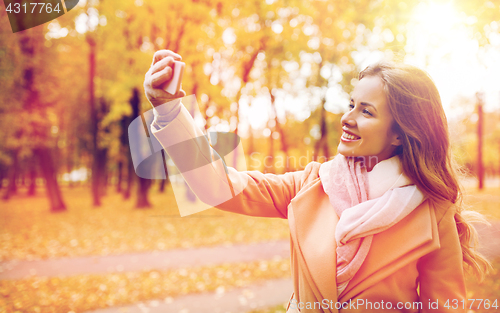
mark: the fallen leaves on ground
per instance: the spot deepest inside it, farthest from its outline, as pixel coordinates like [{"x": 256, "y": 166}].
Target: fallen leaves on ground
[
  {"x": 89, "y": 292},
  {"x": 29, "y": 231}
]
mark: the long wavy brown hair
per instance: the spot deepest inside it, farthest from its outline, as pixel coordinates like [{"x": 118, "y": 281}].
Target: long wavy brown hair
[{"x": 425, "y": 152}]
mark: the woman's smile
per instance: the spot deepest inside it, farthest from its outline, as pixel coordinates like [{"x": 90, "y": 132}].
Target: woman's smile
[{"x": 348, "y": 136}]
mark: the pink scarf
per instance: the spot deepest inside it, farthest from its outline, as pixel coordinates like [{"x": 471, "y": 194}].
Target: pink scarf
[{"x": 360, "y": 217}]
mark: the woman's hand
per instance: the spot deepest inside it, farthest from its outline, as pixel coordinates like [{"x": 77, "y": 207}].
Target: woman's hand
[{"x": 158, "y": 75}]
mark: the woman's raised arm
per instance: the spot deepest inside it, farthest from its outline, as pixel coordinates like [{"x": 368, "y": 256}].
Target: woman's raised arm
[{"x": 249, "y": 192}]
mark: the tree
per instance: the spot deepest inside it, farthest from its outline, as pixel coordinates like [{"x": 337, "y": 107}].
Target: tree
[{"x": 38, "y": 130}]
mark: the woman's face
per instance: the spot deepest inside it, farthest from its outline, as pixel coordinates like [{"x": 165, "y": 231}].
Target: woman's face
[{"x": 367, "y": 126}]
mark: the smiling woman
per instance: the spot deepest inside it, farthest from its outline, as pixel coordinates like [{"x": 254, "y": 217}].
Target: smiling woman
[
  {"x": 387, "y": 234},
  {"x": 418, "y": 134},
  {"x": 368, "y": 125}
]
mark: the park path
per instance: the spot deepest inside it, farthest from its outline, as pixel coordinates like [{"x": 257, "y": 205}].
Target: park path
[
  {"x": 256, "y": 296},
  {"x": 259, "y": 295},
  {"x": 157, "y": 260},
  {"x": 182, "y": 258},
  {"x": 262, "y": 295}
]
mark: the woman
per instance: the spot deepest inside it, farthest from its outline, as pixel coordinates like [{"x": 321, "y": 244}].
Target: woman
[{"x": 379, "y": 227}]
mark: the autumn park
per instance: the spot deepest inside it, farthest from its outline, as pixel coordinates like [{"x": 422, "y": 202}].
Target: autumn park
[{"x": 81, "y": 230}]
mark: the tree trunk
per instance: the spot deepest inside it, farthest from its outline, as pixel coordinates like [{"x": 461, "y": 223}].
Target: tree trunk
[
  {"x": 119, "y": 177},
  {"x": 125, "y": 150},
  {"x": 22, "y": 179},
  {"x": 161, "y": 187},
  {"x": 142, "y": 194},
  {"x": 70, "y": 163},
  {"x": 269, "y": 166},
  {"x": 2, "y": 175},
  {"x": 279, "y": 129},
  {"x": 480, "y": 138},
  {"x": 164, "y": 182},
  {"x": 96, "y": 175},
  {"x": 247, "y": 67},
  {"x": 31, "y": 43},
  {"x": 101, "y": 158},
  {"x": 49, "y": 173},
  {"x": 32, "y": 186},
  {"x": 12, "y": 175},
  {"x": 130, "y": 177},
  {"x": 322, "y": 143},
  {"x": 144, "y": 184},
  {"x": 251, "y": 148}
]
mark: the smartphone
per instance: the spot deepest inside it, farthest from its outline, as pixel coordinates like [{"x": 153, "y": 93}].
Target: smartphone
[{"x": 174, "y": 85}]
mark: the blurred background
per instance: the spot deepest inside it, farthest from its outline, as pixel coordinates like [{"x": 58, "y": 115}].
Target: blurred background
[{"x": 278, "y": 73}]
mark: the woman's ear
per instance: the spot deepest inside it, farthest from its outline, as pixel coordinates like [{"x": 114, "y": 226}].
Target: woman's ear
[{"x": 396, "y": 140}]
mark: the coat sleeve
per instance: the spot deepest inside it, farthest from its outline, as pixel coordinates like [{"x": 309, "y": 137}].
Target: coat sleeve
[
  {"x": 247, "y": 192},
  {"x": 441, "y": 276}
]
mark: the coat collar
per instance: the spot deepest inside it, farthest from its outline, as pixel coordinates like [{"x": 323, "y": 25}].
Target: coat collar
[{"x": 312, "y": 225}]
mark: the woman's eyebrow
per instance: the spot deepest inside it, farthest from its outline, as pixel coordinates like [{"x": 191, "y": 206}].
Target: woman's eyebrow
[
  {"x": 366, "y": 104},
  {"x": 369, "y": 104}
]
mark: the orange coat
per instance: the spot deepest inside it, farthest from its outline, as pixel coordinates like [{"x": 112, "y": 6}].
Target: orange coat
[{"x": 416, "y": 265}]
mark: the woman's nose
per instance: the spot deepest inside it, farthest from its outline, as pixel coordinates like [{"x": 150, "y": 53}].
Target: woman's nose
[{"x": 348, "y": 119}]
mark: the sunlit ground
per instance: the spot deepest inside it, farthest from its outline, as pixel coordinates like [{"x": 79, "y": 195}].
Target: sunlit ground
[
  {"x": 29, "y": 231},
  {"x": 439, "y": 39},
  {"x": 89, "y": 292}
]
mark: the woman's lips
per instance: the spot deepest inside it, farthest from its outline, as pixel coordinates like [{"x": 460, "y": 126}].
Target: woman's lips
[{"x": 348, "y": 137}]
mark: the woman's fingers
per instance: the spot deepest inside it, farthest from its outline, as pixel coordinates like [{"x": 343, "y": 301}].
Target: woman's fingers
[
  {"x": 158, "y": 74},
  {"x": 160, "y": 77},
  {"x": 163, "y": 63},
  {"x": 161, "y": 54},
  {"x": 180, "y": 94}
]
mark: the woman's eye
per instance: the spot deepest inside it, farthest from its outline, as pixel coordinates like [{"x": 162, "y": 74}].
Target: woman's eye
[
  {"x": 351, "y": 106},
  {"x": 367, "y": 112}
]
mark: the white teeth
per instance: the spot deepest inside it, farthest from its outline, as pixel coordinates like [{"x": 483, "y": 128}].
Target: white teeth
[{"x": 349, "y": 136}]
